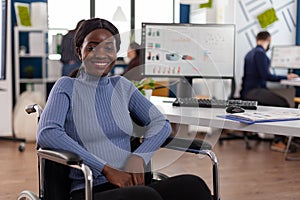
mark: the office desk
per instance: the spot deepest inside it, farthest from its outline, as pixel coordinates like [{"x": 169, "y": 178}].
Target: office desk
[
  {"x": 291, "y": 82},
  {"x": 208, "y": 117}
]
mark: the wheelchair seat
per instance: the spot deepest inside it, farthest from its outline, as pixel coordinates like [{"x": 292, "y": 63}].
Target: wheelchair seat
[{"x": 54, "y": 167}]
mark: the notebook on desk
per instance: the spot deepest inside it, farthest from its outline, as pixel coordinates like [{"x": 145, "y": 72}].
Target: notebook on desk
[{"x": 261, "y": 117}]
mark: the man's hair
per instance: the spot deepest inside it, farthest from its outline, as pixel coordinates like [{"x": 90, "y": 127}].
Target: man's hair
[
  {"x": 263, "y": 35},
  {"x": 92, "y": 24}
]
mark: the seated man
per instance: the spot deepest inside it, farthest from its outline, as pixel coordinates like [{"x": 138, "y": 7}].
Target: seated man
[
  {"x": 91, "y": 115},
  {"x": 256, "y": 74}
]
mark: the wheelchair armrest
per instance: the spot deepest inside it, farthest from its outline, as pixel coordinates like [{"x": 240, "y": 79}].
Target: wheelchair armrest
[
  {"x": 187, "y": 145},
  {"x": 198, "y": 147},
  {"x": 71, "y": 160},
  {"x": 63, "y": 157}
]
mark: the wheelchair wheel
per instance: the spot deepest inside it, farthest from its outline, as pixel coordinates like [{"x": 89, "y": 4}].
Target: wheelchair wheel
[
  {"x": 22, "y": 146},
  {"x": 27, "y": 195},
  {"x": 159, "y": 176}
]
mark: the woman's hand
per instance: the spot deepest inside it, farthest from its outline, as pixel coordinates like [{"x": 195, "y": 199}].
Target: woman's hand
[
  {"x": 135, "y": 166},
  {"x": 117, "y": 177}
]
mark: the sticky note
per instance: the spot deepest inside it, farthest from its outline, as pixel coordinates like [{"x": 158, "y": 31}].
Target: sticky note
[
  {"x": 24, "y": 15},
  {"x": 267, "y": 18},
  {"x": 206, "y": 5}
]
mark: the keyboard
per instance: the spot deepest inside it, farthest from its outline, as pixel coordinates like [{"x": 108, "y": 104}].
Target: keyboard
[{"x": 214, "y": 103}]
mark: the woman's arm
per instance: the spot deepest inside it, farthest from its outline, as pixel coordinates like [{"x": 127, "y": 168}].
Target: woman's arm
[
  {"x": 157, "y": 126},
  {"x": 51, "y": 133}
]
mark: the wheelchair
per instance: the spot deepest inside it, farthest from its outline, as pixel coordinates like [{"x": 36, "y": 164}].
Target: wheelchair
[{"x": 54, "y": 166}]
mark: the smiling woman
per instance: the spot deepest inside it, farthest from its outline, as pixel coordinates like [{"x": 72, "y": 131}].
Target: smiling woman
[{"x": 91, "y": 115}]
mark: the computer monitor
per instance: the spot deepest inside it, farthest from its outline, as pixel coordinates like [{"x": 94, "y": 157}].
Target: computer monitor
[
  {"x": 188, "y": 50},
  {"x": 287, "y": 57},
  {"x": 3, "y": 19}
]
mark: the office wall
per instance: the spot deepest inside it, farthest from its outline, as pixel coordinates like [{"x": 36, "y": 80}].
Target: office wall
[
  {"x": 221, "y": 12},
  {"x": 6, "y": 95},
  {"x": 244, "y": 13},
  {"x": 282, "y": 30}
]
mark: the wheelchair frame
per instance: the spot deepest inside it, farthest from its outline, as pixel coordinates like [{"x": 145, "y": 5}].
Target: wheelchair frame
[{"x": 74, "y": 161}]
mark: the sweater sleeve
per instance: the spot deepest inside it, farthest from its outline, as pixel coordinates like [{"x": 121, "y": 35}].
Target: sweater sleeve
[
  {"x": 51, "y": 133},
  {"x": 157, "y": 126},
  {"x": 262, "y": 61}
]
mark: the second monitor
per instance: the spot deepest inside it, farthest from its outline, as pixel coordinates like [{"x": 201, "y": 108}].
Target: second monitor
[{"x": 287, "y": 57}]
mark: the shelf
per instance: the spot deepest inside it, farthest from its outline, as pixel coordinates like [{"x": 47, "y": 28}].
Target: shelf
[
  {"x": 51, "y": 80},
  {"x": 36, "y": 57},
  {"x": 30, "y": 29},
  {"x": 31, "y": 80},
  {"x": 37, "y": 80},
  {"x": 32, "y": 56}
]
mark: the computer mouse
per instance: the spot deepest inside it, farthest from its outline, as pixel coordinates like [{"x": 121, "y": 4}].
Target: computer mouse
[{"x": 235, "y": 109}]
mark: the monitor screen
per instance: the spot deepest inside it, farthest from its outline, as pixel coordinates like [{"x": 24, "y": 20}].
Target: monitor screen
[
  {"x": 286, "y": 57},
  {"x": 188, "y": 50},
  {"x": 3, "y": 39}
]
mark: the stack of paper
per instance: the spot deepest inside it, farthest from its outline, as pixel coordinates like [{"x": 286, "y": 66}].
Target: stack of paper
[{"x": 259, "y": 117}]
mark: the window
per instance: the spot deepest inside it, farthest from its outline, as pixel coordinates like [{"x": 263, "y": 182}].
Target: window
[
  {"x": 156, "y": 11},
  {"x": 106, "y": 9},
  {"x": 64, "y": 14},
  {"x": 145, "y": 11}
]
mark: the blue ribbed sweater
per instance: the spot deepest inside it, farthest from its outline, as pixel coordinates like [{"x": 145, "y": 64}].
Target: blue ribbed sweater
[{"x": 92, "y": 117}]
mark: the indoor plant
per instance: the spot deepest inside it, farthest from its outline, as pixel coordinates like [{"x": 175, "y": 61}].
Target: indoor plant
[
  {"x": 145, "y": 84},
  {"x": 29, "y": 71}
]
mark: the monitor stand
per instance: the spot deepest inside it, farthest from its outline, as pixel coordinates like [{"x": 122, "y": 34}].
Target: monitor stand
[{"x": 185, "y": 88}]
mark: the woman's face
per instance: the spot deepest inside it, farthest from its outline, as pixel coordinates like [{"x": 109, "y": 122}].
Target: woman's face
[
  {"x": 98, "y": 52},
  {"x": 131, "y": 53}
]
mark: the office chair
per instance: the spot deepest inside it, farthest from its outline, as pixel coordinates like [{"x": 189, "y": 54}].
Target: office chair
[
  {"x": 13, "y": 138},
  {"x": 288, "y": 148},
  {"x": 54, "y": 166},
  {"x": 241, "y": 135}
]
